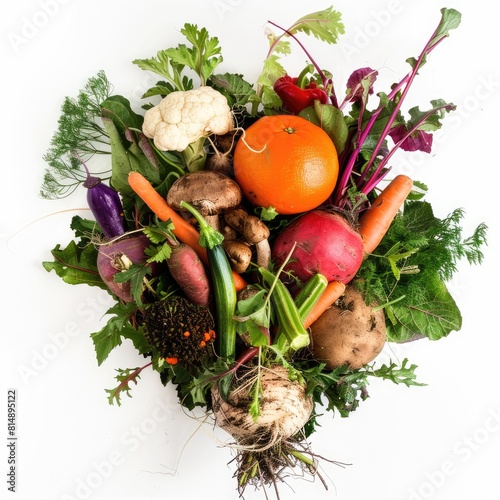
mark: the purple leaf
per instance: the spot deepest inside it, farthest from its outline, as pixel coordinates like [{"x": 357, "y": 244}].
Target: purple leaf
[
  {"x": 418, "y": 140},
  {"x": 357, "y": 82}
]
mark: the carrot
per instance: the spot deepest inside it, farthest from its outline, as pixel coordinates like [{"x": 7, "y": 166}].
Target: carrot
[
  {"x": 185, "y": 232},
  {"x": 332, "y": 292},
  {"x": 375, "y": 222}
]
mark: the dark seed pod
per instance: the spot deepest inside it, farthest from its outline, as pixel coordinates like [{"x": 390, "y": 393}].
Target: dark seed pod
[
  {"x": 181, "y": 331},
  {"x": 105, "y": 204}
]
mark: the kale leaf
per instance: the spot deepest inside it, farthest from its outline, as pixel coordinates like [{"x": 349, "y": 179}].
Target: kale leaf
[{"x": 408, "y": 273}]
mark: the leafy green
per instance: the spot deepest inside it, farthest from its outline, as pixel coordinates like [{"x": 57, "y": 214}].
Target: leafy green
[
  {"x": 235, "y": 88},
  {"x": 137, "y": 276},
  {"x": 272, "y": 70},
  {"x": 434, "y": 315},
  {"x": 253, "y": 314},
  {"x": 450, "y": 20},
  {"x": 125, "y": 378},
  {"x": 407, "y": 275},
  {"x": 118, "y": 327},
  {"x": 403, "y": 374},
  {"x": 202, "y": 56},
  {"x": 77, "y": 263},
  {"x": 118, "y": 109},
  {"x": 331, "y": 120},
  {"x": 126, "y": 159},
  {"x": 325, "y": 25},
  {"x": 342, "y": 389}
]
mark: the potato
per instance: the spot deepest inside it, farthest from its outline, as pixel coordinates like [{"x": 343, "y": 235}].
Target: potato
[{"x": 349, "y": 333}]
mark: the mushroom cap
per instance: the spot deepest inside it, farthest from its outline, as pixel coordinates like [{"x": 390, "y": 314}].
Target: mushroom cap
[{"x": 209, "y": 192}]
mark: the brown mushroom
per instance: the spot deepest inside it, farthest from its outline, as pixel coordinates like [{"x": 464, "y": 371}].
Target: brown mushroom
[
  {"x": 228, "y": 232},
  {"x": 263, "y": 251},
  {"x": 239, "y": 254},
  {"x": 236, "y": 218},
  {"x": 211, "y": 193},
  {"x": 254, "y": 231}
]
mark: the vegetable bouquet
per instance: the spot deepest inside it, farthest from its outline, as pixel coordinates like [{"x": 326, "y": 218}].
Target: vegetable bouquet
[{"x": 259, "y": 246}]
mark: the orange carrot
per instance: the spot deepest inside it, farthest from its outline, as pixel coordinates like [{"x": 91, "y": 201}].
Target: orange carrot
[
  {"x": 375, "y": 222},
  {"x": 184, "y": 231},
  {"x": 332, "y": 292}
]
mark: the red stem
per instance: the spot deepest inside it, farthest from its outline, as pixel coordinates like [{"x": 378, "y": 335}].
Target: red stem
[
  {"x": 377, "y": 177},
  {"x": 406, "y": 82}
]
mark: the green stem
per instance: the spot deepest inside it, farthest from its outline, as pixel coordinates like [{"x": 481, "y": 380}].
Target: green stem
[
  {"x": 195, "y": 155},
  {"x": 300, "y": 456}
]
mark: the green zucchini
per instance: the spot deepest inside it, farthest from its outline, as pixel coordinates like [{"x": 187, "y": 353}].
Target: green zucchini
[
  {"x": 224, "y": 289},
  {"x": 224, "y": 292}
]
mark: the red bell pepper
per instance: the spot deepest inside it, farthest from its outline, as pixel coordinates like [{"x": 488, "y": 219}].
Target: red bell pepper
[{"x": 296, "y": 98}]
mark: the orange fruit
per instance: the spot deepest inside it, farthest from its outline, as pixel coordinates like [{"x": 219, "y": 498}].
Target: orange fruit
[{"x": 286, "y": 162}]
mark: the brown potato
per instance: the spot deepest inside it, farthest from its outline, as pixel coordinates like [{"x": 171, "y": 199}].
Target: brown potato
[{"x": 349, "y": 333}]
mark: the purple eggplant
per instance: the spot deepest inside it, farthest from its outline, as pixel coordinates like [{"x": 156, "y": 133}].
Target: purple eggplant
[{"x": 106, "y": 206}]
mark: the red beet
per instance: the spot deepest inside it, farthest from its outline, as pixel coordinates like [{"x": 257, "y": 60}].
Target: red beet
[
  {"x": 113, "y": 258},
  {"x": 326, "y": 243}
]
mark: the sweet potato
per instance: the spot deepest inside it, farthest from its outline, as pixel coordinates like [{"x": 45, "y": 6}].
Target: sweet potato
[{"x": 188, "y": 271}]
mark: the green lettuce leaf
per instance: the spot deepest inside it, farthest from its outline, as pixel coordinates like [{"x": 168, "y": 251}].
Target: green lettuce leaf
[
  {"x": 75, "y": 265},
  {"x": 435, "y": 315}
]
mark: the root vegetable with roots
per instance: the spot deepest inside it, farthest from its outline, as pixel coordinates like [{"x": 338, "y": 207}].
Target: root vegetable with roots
[{"x": 269, "y": 441}]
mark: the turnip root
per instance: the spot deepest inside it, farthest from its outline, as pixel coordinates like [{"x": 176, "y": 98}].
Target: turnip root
[
  {"x": 350, "y": 333},
  {"x": 326, "y": 243},
  {"x": 117, "y": 256},
  {"x": 285, "y": 409},
  {"x": 268, "y": 443},
  {"x": 188, "y": 271}
]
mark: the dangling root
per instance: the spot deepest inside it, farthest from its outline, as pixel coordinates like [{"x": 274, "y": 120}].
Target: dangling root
[
  {"x": 243, "y": 140},
  {"x": 269, "y": 466}
]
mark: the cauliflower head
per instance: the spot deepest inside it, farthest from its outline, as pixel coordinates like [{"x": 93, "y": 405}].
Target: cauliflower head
[{"x": 182, "y": 117}]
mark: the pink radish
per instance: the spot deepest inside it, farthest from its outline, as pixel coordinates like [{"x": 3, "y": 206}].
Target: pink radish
[{"x": 326, "y": 243}]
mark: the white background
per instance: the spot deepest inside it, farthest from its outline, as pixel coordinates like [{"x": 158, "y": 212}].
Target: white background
[{"x": 441, "y": 441}]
